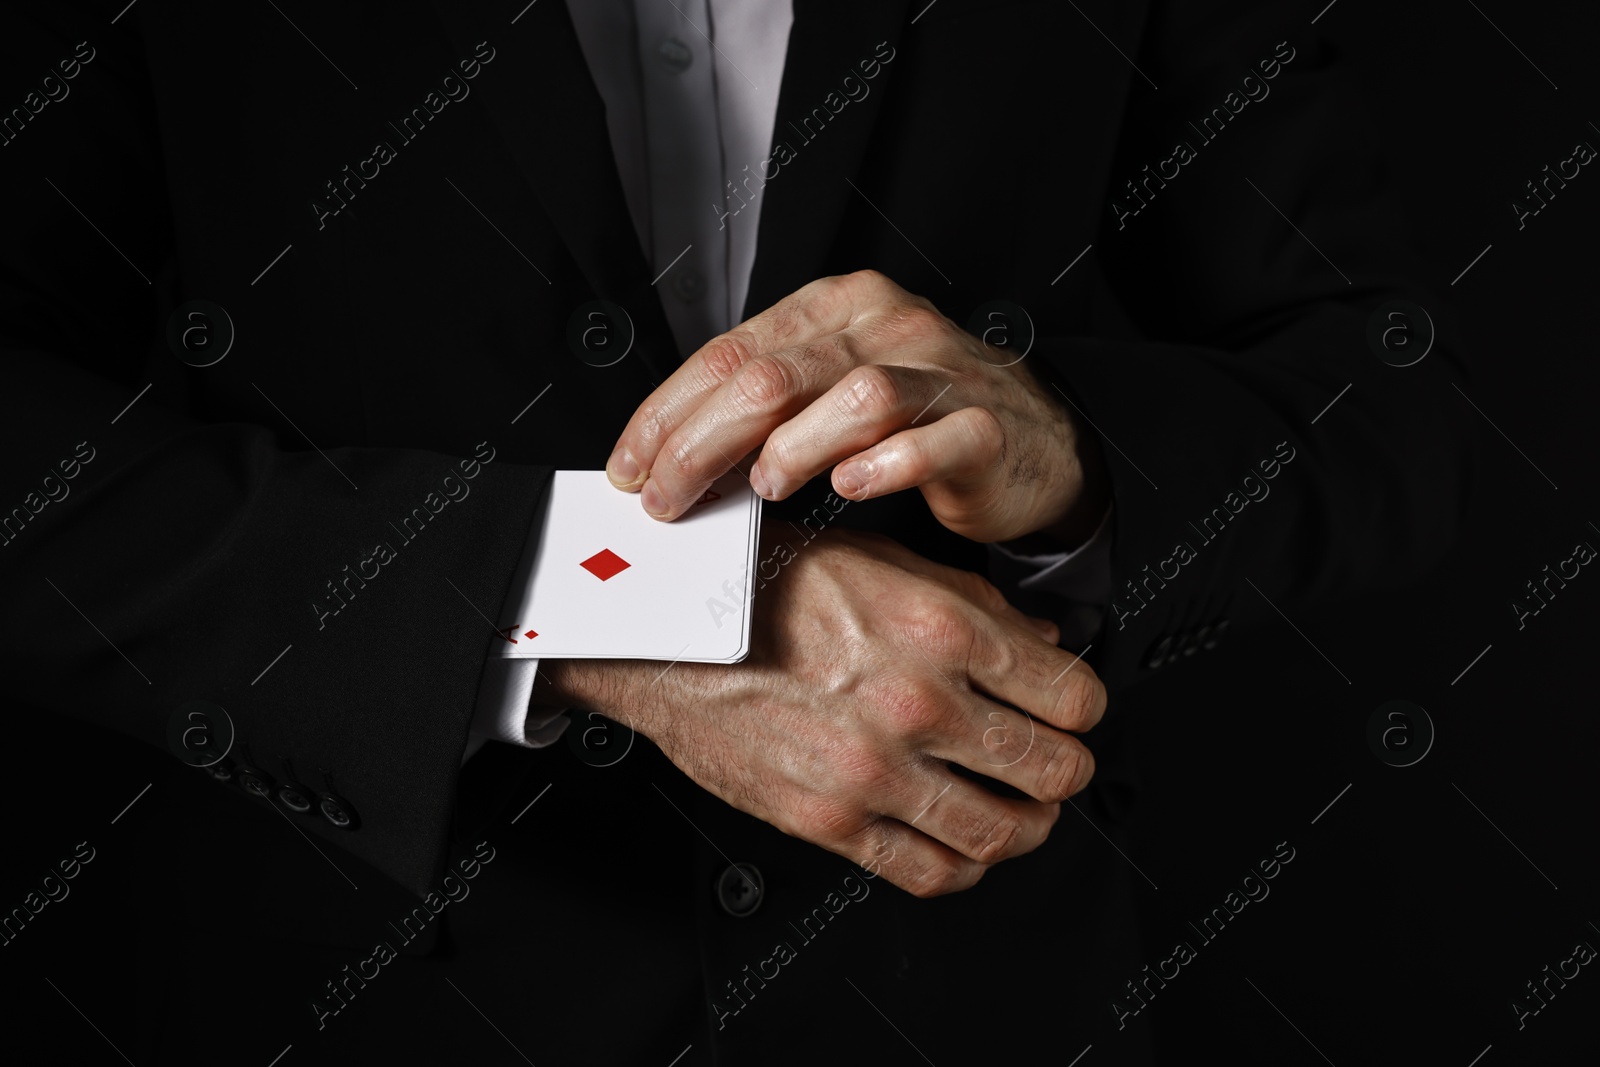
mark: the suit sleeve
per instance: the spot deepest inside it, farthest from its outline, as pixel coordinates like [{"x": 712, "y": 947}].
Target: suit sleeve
[
  {"x": 151, "y": 558},
  {"x": 1263, "y": 457}
]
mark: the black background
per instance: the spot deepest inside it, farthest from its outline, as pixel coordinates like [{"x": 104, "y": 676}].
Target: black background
[{"x": 1407, "y": 921}]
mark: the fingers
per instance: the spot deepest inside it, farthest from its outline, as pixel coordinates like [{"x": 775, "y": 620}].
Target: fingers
[
  {"x": 943, "y": 837},
  {"x": 962, "y": 444},
  {"x": 814, "y": 311},
  {"x": 1010, "y": 663},
  {"x": 912, "y": 860},
  {"x": 1007, "y": 655},
  {"x": 738, "y": 417},
  {"x": 1006, "y": 745},
  {"x": 978, "y": 824},
  {"x": 868, "y": 404}
]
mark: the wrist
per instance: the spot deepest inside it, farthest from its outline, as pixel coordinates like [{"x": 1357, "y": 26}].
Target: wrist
[
  {"x": 1085, "y": 484},
  {"x": 567, "y": 683},
  {"x": 1088, "y": 491},
  {"x": 619, "y": 689},
  {"x": 1088, "y": 507}
]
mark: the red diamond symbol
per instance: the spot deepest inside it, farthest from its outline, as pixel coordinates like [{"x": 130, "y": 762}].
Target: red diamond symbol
[
  {"x": 530, "y": 633},
  {"x": 605, "y": 564}
]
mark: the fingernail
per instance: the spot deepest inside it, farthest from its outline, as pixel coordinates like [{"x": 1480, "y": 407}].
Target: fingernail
[
  {"x": 622, "y": 468},
  {"x": 758, "y": 482},
  {"x": 653, "y": 501},
  {"x": 853, "y": 478}
]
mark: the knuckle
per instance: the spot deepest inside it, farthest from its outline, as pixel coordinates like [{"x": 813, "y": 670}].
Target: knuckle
[
  {"x": 869, "y": 279},
  {"x": 654, "y": 424},
  {"x": 806, "y": 309},
  {"x": 1066, "y": 772},
  {"x": 982, "y": 591},
  {"x": 1085, "y": 770},
  {"x": 998, "y": 839},
  {"x": 911, "y": 710},
  {"x": 1081, "y": 698},
  {"x": 984, "y": 427},
  {"x": 826, "y": 356},
  {"x": 1058, "y": 778},
  {"x": 779, "y": 456},
  {"x": 762, "y": 385},
  {"x": 825, "y": 818},
  {"x": 919, "y": 321},
  {"x": 942, "y": 630},
  {"x": 985, "y": 586},
  {"x": 871, "y": 391},
  {"x": 860, "y": 773},
  {"x": 872, "y": 835},
  {"x": 938, "y": 877},
  {"x": 724, "y": 355},
  {"x": 787, "y": 315},
  {"x": 1004, "y": 657},
  {"x": 678, "y": 464}
]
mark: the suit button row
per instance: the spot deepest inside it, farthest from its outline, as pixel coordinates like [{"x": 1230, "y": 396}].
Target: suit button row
[
  {"x": 292, "y": 795},
  {"x": 201, "y": 734},
  {"x": 1184, "y": 643}
]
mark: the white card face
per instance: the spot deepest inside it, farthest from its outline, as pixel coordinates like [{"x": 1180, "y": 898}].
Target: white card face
[{"x": 609, "y": 582}]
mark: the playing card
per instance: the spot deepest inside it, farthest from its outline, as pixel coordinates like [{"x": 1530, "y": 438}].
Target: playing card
[{"x": 609, "y": 582}]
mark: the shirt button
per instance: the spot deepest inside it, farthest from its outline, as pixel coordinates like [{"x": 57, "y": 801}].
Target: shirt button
[
  {"x": 740, "y": 889},
  {"x": 690, "y": 284},
  {"x": 675, "y": 54}
]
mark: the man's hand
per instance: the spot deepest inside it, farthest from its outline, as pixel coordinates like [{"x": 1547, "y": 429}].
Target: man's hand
[
  {"x": 872, "y": 671},
  {"x": 856, "y": 371}
]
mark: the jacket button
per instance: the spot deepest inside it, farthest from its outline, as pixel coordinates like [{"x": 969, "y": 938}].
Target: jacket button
[
  {"x": 338, "y": 812},
  {"x": 675, "y": 54},
  {"x": 295, "y": 797},
  {"x": 740, "y": 890},
  {"x": 255, "y": 782}
]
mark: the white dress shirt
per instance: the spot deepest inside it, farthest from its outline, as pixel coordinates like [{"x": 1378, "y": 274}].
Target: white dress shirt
[{"x": 684, "y": 115}]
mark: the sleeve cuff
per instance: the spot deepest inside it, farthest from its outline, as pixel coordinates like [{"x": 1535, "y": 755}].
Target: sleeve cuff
[
  {"x": 1082, "y": 575},
  {"x": 1072, "y": 588},
  {"x": 503, "y": 713}
]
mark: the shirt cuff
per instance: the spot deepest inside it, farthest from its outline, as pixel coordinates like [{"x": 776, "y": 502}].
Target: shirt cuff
[
  {"x": 1081, "y": 579},
  {"x": 503, "y": 713},
  {"x": 1083, "y": 574}
]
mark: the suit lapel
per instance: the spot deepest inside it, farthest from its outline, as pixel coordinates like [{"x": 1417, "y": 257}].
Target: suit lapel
[
  {"x": 808, "y": 196},
  {"x": 553, "y": 122}
]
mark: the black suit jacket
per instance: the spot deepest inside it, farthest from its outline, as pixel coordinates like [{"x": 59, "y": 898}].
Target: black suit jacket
[{"x": 394, "y": 310}]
